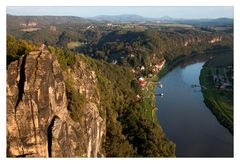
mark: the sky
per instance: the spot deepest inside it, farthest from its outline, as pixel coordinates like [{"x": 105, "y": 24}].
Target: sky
[{"x": 151, "y": 12}]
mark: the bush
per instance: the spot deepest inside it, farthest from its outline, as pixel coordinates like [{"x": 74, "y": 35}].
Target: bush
[{"x": 17, "y": 48}]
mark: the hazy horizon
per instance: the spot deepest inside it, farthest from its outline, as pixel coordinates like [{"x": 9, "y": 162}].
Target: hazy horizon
[{"x": 149, "y": 12}]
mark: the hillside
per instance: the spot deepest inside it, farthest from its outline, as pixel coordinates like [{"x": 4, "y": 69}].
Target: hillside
[
  {"x": 127, "y": 44},
  {"x": 18, "y": 21},
  {"x": 139, "y": 49},
  {"x": 55, "y": 97}
]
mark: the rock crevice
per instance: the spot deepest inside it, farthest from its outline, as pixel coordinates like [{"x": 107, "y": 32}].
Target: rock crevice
[
  {"x": 21, "y": 81},
  {"x": 38, "y": 120}
]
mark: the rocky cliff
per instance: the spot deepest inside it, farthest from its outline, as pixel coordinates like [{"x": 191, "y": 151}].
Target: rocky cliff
[{"x": 39, "y": 122}]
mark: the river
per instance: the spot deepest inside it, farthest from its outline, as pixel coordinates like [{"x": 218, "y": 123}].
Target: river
[{"x": 186, "y": 120}]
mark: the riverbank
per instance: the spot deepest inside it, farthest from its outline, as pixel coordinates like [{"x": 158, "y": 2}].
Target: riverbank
[
  {"x": 185, "y": 118},
  {"x": 219, "y": 101},
  {"x": 150, "y": 98},
  {"x": 150, "y": 109}
]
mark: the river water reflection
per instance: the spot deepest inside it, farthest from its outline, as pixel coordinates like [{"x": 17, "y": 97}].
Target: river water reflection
[{"x": 185, "y": 118}]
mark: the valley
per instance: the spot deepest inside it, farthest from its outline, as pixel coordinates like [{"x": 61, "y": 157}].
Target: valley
[{"x": 104, "y": 86}]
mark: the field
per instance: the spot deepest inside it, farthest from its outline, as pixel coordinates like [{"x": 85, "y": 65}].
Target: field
[
  {"x": 150, "y": 100},
  {"x": 30, "y": 29},
  {"x": 72, "y": 45},
  {"x": 176, "y": 25}
]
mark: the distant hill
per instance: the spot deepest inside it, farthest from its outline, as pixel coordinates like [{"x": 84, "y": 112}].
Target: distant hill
[
  {"x": 13, "y": 21},
  {"x": 128, "y": 18},
  {"x": 120, "y": 18},
  {"x": 217, "y": 21},
  {"x": 165, "y": 19}
]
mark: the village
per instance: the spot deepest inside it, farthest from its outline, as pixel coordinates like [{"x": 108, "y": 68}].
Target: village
[
  {"x": 223, "y": 77},
  {"x": 153, "y": 71},
  {"x": 148, "y": 84}
]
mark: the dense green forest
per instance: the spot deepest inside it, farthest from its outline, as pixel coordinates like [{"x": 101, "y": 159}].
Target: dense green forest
[{"x": 129, "y": 132}]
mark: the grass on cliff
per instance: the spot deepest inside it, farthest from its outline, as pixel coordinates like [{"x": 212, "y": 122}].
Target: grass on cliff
[{"x": 76, "y": 102}]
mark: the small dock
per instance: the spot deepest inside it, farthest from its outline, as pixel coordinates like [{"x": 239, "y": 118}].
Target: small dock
[{"x": 159, "y": 94}]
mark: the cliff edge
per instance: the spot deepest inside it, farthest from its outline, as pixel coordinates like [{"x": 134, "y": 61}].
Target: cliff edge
[{"x": 39, "y": 121}]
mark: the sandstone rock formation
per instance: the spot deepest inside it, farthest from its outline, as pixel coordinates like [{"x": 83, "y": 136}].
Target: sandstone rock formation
[{"x": 38, "y": 119}]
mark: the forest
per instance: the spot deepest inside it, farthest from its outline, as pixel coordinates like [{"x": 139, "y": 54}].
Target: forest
[
  {"x": 129, "y": 133},
  {"x": 127, "y": 44}
]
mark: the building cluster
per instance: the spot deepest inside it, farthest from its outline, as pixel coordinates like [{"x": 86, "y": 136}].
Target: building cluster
[
  {"x": 223, "y": 80},
  {"x": 90, "y": 27},
  {"x": 112, "y": 25},
  {"x": 155, "y": 68},
  {"x": 53, "y": 28},
  {"x": 142, "y": 82},
  {"x": 158, "y": 66},
  {"x": 29, "y": 24},
  {"x": 192, "y": 40}
]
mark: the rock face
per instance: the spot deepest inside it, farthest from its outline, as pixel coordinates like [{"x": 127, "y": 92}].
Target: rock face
[
  {"x": 38, "y": 119},
  {"x": 215, "y": 39}
]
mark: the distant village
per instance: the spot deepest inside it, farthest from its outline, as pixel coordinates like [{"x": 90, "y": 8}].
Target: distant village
[{"x": 223, "y": 77}]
